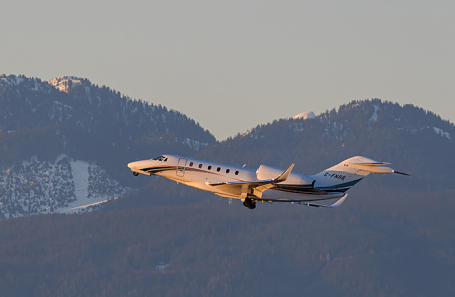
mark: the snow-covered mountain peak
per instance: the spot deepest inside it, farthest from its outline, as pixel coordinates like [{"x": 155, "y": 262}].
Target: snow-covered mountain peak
[
  {"x": 65, "y": 83},
  {"x": 305, "y": 115}
]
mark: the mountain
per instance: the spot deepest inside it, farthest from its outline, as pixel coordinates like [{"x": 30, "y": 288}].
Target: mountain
[
  {"x": 414, "y": 140},
  {"x": 54, "y": 132},
  {"x": 65, "y": 140}
]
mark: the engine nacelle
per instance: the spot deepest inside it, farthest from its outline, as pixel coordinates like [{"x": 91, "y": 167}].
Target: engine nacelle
[{"x": 265, "y": 172}]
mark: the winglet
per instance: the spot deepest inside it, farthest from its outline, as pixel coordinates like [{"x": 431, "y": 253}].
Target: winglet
[
  {"x": 334, "y": 205},
  {"x": 284, "y": 176},
  {"x": 339, "y": 202}
]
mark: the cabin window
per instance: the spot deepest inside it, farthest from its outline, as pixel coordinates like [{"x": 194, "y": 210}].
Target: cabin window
[
  {"x": 200, "y": 165},
  {"x": 236, "y": 173},
  {"x": 191, "y": 164},
  {"x": 227, "y": 170},
  {"x": 218, "y": 169},
  {"x": 210, "y": 167}
]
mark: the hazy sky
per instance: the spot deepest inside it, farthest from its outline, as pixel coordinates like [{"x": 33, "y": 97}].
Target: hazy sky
[{"x": 231, "y": 65}]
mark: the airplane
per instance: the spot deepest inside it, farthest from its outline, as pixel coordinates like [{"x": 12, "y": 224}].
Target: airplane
[{"x": 267, "y": 183}]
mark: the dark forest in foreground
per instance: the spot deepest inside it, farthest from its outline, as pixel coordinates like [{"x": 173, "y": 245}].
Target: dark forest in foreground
[{"x": 378, "y": 244}]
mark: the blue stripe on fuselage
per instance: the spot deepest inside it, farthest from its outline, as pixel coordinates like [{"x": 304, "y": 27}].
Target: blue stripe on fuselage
[{"x": 344, "y": 186}]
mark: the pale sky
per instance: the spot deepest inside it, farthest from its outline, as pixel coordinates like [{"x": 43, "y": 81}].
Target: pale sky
[{"x": 231, "y": 65}]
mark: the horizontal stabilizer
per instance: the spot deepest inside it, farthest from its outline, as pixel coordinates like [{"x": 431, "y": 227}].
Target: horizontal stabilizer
[
  {"x": 402, "y": 173},
  {"x": 375, "y": 167},
  {"x": 371, "y": 163}
]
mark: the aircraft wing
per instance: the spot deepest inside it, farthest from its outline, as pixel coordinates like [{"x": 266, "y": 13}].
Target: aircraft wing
[{"x": 255, "y": 188}]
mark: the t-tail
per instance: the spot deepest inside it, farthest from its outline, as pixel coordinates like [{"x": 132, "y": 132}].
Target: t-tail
[{"x": 343, "y": 176}]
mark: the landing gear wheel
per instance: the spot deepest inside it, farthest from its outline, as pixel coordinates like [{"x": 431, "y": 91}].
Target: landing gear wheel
[
  {"x": 251, "y": 204},
  {"x": 135, "y": 173}
]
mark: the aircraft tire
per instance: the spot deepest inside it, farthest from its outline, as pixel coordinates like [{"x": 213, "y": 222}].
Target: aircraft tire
[
  {"x": 251, "y": 204},
  {"x": 135, "y": 173}
]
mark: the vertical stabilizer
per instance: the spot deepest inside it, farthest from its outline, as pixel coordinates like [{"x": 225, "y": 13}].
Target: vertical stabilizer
[{"x": 346, "y": 174}]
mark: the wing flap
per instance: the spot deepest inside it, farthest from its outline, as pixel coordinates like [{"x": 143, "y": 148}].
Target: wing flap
[{"x": 237, "y": 188}]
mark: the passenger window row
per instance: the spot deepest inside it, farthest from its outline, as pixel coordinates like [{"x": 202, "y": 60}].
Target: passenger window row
[{"x": 218, "y": 169}]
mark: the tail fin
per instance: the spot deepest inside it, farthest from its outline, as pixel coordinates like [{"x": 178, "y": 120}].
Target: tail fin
[{"x": 346, "y": 174}]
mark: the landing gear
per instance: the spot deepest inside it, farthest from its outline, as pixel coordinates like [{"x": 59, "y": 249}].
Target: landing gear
[
  {"x": 250, "y": 203},
  {"x": 135, "y": 173}
]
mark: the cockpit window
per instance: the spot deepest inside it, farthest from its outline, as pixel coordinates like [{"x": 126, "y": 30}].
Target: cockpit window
[{"x": 160, "y": 158}]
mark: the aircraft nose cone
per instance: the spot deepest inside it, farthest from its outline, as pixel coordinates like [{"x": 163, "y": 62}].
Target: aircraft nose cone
[{"x": 132, "y": 165}]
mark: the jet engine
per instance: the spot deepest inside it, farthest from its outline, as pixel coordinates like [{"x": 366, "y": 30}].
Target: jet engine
[{"x": 265, "y": 172}]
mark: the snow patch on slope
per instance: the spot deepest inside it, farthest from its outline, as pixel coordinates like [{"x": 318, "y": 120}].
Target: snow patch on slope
[
  {"x": 11, "y": 80},
  {"x": 194, "y": 144},
  {"x": 37, "y": 187},
  {"x": 442, "y": 133},
  {"x": 374, "y": 117},
  {"x": 79, "y": 170}
]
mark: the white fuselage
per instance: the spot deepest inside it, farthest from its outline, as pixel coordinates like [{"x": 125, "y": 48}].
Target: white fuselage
[{"x": 200, "y": 174}]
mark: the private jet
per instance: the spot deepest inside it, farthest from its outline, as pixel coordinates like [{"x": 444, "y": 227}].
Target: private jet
[{"x": 266, "y": 184}]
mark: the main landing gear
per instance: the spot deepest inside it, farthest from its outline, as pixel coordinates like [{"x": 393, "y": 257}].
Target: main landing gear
[
  {"x": 135, "y": 173},
  {"x": 250, "y": 203}
]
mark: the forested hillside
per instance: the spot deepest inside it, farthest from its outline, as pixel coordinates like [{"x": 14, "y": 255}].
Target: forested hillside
[
  {"x": 67, "y": 141},
  {"x": 87, "y": 122},
  {"x": 412, "y": 139}
]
